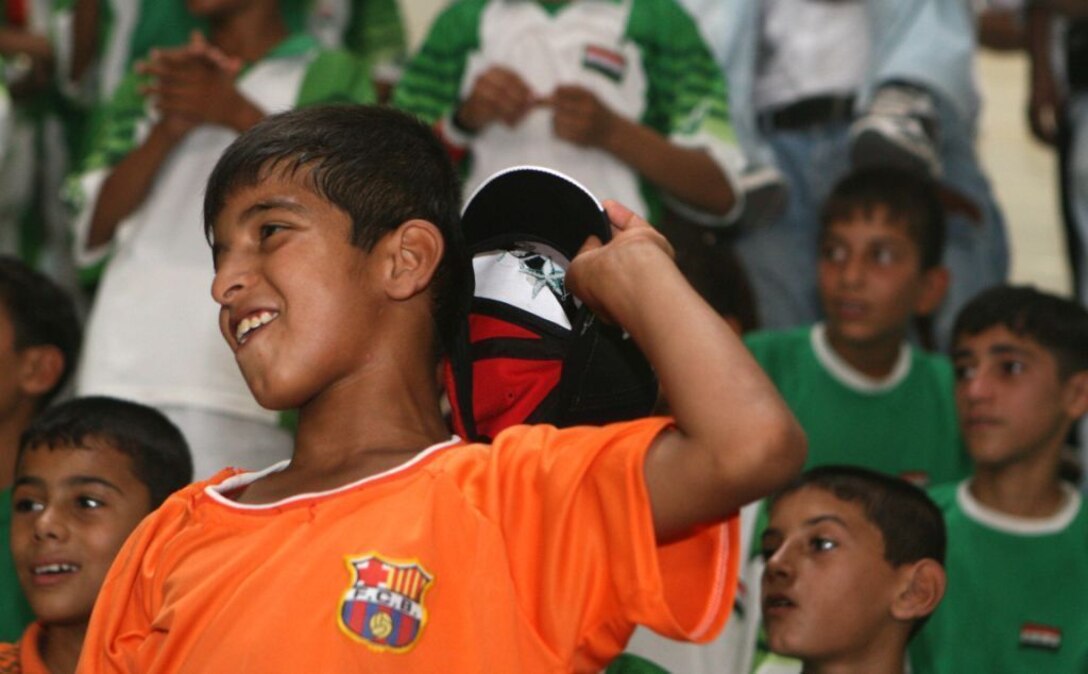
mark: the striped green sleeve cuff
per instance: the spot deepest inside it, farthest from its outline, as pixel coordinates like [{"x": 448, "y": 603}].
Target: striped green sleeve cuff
[{"x": 431, "y": 84}]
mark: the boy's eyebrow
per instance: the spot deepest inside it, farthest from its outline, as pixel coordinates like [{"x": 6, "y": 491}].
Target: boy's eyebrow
[
  {"x": 1007, "y": 349},
  {"x": 84, "y": 480},
  {"x": 28, "y": 481},
  {"x": 812, "y": 521},
  {"x": 996, "y": 350},
  {"x": 74, "y": 481},
  {"x": 270, "y": 204}
]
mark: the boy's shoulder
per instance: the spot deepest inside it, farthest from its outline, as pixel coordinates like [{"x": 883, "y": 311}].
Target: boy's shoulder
[
  {"x": 336, "y": 76},
  {"x": 783, "y": 339},
  {"x": 778, "y": 349},
  {"x": 944, "y": 495},
  {"x": 932, "y": 363},
  {"x": 517, "y": 450}
]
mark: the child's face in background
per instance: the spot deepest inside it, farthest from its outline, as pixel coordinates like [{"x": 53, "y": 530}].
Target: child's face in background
[
  {"x": 871, "y": 279},
  {"x": 827, "y": 589},
  {"x": 1013, "y": 406},
  {"x": 73, "y": 508}
]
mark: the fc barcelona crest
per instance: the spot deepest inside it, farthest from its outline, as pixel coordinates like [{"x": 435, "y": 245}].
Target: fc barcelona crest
[{"x": 384, "y": 608}]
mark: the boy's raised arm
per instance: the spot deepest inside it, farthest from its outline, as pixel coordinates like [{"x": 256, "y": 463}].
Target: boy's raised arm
[{"x": 735, "y": 440}]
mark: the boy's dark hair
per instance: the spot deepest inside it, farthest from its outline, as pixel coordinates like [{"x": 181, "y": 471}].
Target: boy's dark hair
[
  {"x": 908, "y": 198},
  {"x": 911, "y": 524},
  {"x": 379, "y": 165},
  {"x": 158, "y": 451},
  {"x": 41, "y": 314},
  {"x": 1058, "y": 324}
]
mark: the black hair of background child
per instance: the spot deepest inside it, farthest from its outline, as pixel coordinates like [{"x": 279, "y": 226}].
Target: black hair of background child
[
  {"x": 41, "y": 314},
  {"x": 910, "y": 523},
  {"x": 1058, "y": 324},
  {"x": 158, "y": 451}
]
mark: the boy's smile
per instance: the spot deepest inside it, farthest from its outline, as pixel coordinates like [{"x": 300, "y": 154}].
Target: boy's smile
[
  {"x": 73, "y": 509},
  {"x": 1010, "y": 398},
  {"x": 826, "y": 586},
  {"x": 293, "y": 291}
]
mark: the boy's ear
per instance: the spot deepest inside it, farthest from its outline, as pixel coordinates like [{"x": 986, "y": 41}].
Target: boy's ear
[
  {"x": 40, "y": 368},
  {"x": 1076, "y": 394},
  {"x": 922, "y": 588},
  {"x": 414, "y": 250},
  {"x": 934, "y": 287}
]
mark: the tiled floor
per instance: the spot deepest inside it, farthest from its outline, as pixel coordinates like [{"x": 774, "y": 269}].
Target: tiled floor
[{"x": 1023, "y": 174}]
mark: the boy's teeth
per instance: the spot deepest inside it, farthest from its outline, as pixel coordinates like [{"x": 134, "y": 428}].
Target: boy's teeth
[
  {"x": 55, "y": 568},
  {"x": 251, "y": 323}
]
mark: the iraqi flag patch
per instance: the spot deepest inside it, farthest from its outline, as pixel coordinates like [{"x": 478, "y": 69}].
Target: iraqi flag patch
[
  {"x": 383, "y": 607},
  {"x": 608, "y": 62},
  {"x": 1042, "y": 637}
]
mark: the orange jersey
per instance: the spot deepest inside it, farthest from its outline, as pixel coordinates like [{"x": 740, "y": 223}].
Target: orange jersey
[
  {"x": 533, "y": 554},
  {"x": 23, "y": 657}
]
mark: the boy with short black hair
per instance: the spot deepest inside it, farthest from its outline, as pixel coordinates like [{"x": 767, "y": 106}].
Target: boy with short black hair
[
  {"x": 39, "y": 344},
  {"x": 88, "y": 471},
  {"x": 853, "y": 569},
  {"x": 161, "y": 135},
  {"x": 385, "y": 544},
  {"x": 1018, "y": 535},
  {"x": 864, "y": 395}
]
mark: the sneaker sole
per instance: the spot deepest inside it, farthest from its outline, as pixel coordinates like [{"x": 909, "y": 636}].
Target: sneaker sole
[{"x": 870, "y": 147}]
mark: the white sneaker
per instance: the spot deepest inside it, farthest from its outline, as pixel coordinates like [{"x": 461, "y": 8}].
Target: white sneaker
[{"x": 899, "y": 128}]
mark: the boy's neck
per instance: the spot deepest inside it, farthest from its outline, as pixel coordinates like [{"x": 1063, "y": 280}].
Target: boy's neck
[
  {"x": 882, "y": 661},
  {"x": 1024, "y": 489},
  {"x": 874, "y": 359},
  {"x": 249, "y": 34},
  {"x": 60, "y": 646},
  {"x": 357, "y": 429}
]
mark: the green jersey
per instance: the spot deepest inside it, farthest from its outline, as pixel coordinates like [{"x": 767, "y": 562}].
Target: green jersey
[
  {"x": 15, "y": 613},
  {"x": 1017, "y": 597},
  {"x": 643, "y": 59},
  {"x": 904, "y": 425}
]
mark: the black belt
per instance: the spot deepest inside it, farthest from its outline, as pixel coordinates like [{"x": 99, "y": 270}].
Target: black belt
[{"x": 808, "y": 112}]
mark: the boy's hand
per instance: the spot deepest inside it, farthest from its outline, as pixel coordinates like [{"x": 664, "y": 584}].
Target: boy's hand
[
  {"x": 498, "y": 95},
  {"x": 196, "y": 83},
  {"x": 1045, "y": 107},
  {"x": 602, "y": 275},
  {"x": 581, "y": 118}
]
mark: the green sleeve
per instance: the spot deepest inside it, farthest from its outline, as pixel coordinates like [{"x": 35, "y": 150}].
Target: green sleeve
[
  {"x": 431, "y": 84},
  {"x": 336, "y": 76},
  {"x": 375, "y": 32},
  {"x": 686, "y": 89},
  {"x": 114, "y": 130}
]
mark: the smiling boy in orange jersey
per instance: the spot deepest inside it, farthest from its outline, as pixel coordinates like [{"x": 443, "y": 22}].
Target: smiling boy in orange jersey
[{"x": 385, "y": 544}]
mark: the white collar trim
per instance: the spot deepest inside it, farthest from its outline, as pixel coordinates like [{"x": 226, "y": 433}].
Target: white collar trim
[
  {"x": 845, "y": 373},
  {"x": 217, "y": 491},
  {"x": 1011, "y": 524}
]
